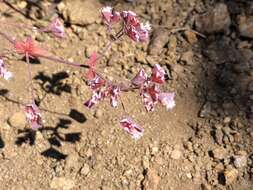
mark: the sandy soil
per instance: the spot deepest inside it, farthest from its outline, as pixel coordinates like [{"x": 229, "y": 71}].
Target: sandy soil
[{"x": 204, "y": 143}]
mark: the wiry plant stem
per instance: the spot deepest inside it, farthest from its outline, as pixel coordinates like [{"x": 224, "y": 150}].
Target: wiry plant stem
[
  {"x": 59, "y": 60},
  {"x": 7, "y": 37},
  {"x": 30, "y": 75}
]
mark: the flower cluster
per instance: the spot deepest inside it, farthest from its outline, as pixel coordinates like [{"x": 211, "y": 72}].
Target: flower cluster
[
  {"x": 33, "y": 116},
  {"x": 132, "y": 27},
  {"x": 110, "y": 16},
  {"x": 150, "y": 88},
  {"x": 7, "y": 75},
  {"x": 102, "y": 89},
  {"x": 131, "y": 127}
]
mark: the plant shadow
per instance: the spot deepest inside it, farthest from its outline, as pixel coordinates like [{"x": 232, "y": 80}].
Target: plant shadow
[
  {"x": 57, "y": 135},
  {"x": 54, "y": 153},
  {"x": 53, "y": 84},
  {"x": 3, "y": 92},
  {"x": 33, "y": 60}
]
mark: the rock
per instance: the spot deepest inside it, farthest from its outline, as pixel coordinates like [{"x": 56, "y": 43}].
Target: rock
[
  {"x": 22, "y": 4},
  {"x": 240, "y": 160},
  {"x": 72, "y": 163},
  {"x": 190, "y": 37},
  {"x": 159, "y": 39},
  {"x": 205, "y": 186},
  {"x": 80, "y": 12},
  {"x": 85, "y": 170},
  {"x": 230, "y": 175},
  {"x": 62, "y": 183},
  {"x": 145, "y": 162},
  {"x": 41, "y": 143},
  {"x": 151, "y": 180},
  {"x": 205, "y": 110},
  {"x": 250, "y": 86},
  {"x": 215, "y": 20},
  {"x": 219, "y": 153},
  {"x": 187, "y": 57},
  {"x": 227, "y": 120},
  {"x": 141, "y": 57},
  {"x": 151, "y": 60},
  {"x": 172, "y": 44},
  {"x": 98, "y": 113},
  {"x": 218, "y": 136},
  {"x": 176, "y": 154},
  {"x": 245, "y": 26},
  {"x": 17, "y": 120}
]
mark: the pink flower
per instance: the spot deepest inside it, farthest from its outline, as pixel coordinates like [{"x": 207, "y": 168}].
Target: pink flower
[
  {"x": 132, "y": 128},
  {"x": 158, "y": 74},
  {"x": 140, "y": 78},
  {"x": 33, "y": 116},
  {"x": 148, "y": 102},
  {"x": 136, "y": 30},
  {"x": 167, "y": 99},
  {"x": 150, "y": 97},
  {"x": 28, "y": 47},
  {"x": 96, "y": 83},
  {"x": 114, "y": 94},
  {"x": 100, "y": 94},
  {"x": 56, "y": 28},
  {"x": 110, "y": 16},
  {"x": 4, "y": 72},
  {"x": 96, "y": 97}
]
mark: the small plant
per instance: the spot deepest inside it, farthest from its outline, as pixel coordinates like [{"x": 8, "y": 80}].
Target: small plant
[{"x": 148, "y": 86}]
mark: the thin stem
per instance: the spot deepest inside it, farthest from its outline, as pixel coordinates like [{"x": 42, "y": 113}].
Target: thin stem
[
  {"x": 20, "y": 26},
  {"x": 105, "y": 49},
  {"x": 30, "y": 75},
  {"x": 122, "y": 104},
  {"x": 109, "y": 44},
  {"x": 59, "y": 60},
  {"x": 7, "y": 37}
]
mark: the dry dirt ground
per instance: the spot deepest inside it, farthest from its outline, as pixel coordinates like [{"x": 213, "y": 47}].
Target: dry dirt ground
[{"x": 204, "y": 143}]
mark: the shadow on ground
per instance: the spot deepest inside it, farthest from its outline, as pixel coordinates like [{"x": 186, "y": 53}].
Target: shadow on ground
[{"x": 57, "y": 135}]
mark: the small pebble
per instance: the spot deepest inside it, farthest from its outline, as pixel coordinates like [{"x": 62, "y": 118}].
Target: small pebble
[
  {"x": 85, "y": 170},
  {"x": 176, "y": 154}
]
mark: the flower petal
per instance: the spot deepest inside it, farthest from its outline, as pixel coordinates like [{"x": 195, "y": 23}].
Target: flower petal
[
  {"x": 136, "y": 30},
  {"x": 158, "y": 74},
  {"x": 132, "y": 128},
  {"x": 33, "y": 116},
  {"x": 148, "y": 102},
  {"x": 95, "y": 98},
  {"x": 140, "y": 78},
  {"x": 110, "y": 16},
  {"x": 115, "y": 90},
  {"x": 57, "y": 28},
  {"x": 95, "y": 81},
  {"x": 4, "y": 72},
  {"x": 92, "y": 60},
  {"x": 167, "y": 99}
]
